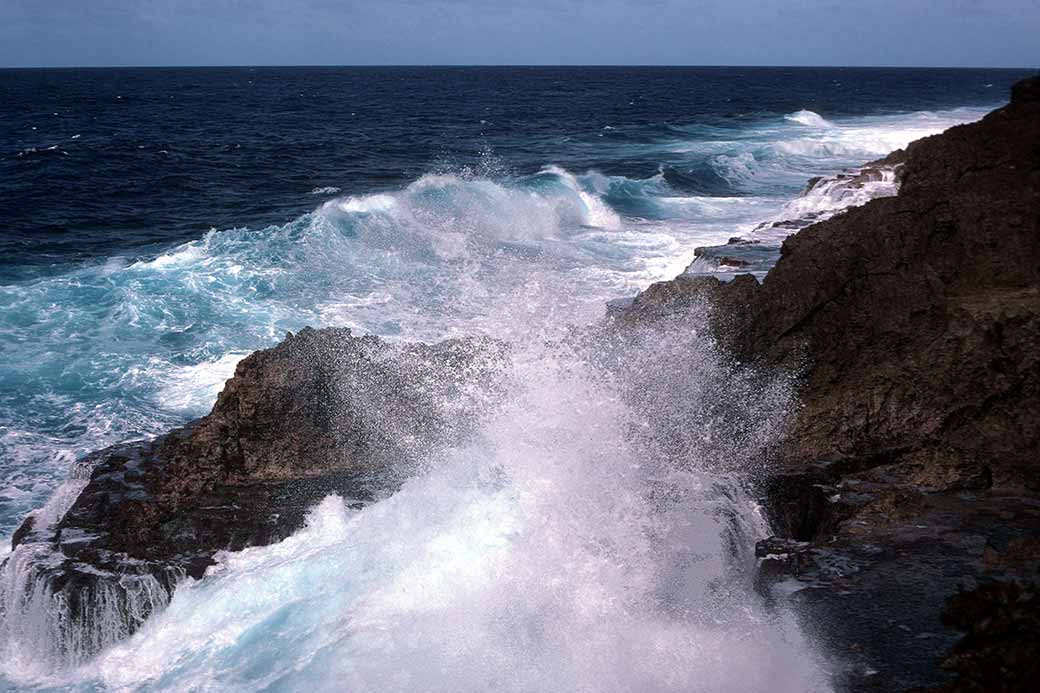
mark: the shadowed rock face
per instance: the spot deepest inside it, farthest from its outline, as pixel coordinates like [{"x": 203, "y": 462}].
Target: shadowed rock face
[
  {"x": 912, "y": 468},
  {"x": 323, "y": 412}
]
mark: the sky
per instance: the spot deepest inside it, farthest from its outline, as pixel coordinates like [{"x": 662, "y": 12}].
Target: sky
[{"x": 978, "y": 33}]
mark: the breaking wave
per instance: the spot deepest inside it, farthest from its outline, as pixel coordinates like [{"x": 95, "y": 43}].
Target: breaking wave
[{"x": 809, "y": 119}]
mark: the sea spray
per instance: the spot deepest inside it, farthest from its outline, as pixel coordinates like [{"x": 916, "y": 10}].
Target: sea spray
[
  {"x": 680, "y": 402},
  {"x": 565, "y": 546}
]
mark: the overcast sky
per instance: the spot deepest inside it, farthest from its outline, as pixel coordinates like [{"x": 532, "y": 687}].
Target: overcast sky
[{"x": 985, "y": 33}]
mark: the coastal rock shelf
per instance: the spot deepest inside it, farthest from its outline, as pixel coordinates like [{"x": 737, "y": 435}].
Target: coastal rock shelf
[
  {"x": 911, "y": 472},
  {"x": 823, "y": 198}
]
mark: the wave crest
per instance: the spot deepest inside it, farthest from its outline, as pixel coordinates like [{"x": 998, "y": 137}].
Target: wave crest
[{"x": 809, "y": 119}]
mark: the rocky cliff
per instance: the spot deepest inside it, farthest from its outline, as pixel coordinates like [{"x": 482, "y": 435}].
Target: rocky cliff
[{"x": 911, "y": 472}]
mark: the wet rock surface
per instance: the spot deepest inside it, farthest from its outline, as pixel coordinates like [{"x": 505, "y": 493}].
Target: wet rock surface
[
  {"x": 999, "y": 651},
  {"x": 908, "y": 486}
]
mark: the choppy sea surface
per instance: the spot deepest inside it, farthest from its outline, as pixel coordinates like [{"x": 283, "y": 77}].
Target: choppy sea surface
[{"x": 156, "y": 225}]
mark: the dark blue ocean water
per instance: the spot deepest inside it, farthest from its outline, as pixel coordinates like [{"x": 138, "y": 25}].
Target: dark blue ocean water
[
  {"x": 156, "y": 225},
  {"x": 102, "y": 161}
]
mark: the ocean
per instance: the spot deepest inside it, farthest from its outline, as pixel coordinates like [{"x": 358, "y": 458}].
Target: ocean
[{"x": 157, "y": 225}]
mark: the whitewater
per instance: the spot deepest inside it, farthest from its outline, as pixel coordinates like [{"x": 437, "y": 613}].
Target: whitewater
[{"x": 593, "y": 534}]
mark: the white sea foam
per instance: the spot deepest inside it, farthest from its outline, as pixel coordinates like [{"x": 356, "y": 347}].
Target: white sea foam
[
  {"x": 809, "y": 119},
  {"x": 835, "y": 194},
  {"x": 449, "y": 254},
  {"x": 596, "y": 212},
  {"x": 367, "y": 204},
  {"x": 808, "y": 145},
  {"x": 556, "y": 551},
  {"x": 193, "y": 389}
]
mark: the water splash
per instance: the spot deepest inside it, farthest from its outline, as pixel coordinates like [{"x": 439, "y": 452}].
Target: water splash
[
  {"x": 46, "y": 626},
  {"x": 567, "y": 547}
]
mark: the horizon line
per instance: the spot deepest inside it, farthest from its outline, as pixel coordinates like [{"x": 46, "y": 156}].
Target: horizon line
[{"x": 509, "y": 65}]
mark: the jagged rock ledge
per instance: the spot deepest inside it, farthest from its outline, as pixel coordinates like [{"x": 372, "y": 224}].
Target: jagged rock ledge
[{"x": 908, "y": 486}]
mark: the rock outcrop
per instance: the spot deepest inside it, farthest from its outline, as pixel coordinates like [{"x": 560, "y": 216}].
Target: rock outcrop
[
  {"x": 323, "y": 412},
  {"x": 911, "y": 471}
]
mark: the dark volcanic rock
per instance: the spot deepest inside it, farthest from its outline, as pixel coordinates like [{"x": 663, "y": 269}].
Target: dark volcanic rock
[
  {"x": 1001, "y": 651},
  {"x": 913, "y": 464},
  {"x": 323, "y": 412}
]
